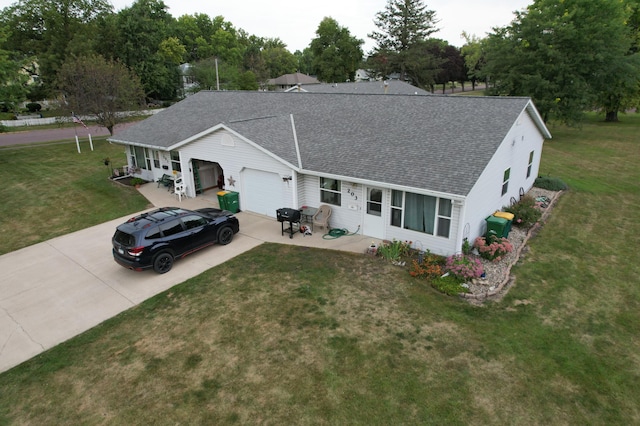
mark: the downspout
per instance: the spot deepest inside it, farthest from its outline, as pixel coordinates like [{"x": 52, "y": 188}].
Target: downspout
[
  {"x": 295, "y": 141},
  {"x": 294, "y": 181},
  {"x": 461, "y": 224}
]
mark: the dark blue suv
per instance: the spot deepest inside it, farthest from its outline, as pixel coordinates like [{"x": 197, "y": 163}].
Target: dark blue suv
[{"x": 155, "y": 239}]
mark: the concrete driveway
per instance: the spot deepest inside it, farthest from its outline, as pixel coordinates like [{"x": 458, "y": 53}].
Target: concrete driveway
[{"x": 55, "y": 290}]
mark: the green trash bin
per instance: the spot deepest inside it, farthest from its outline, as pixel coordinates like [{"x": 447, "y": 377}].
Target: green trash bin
[
  {"x": 509, "y": 217},
  {"x": 222, "y": 200},
  {"x": 496, "y": 226},
  {"x": 232, "y": 201}
]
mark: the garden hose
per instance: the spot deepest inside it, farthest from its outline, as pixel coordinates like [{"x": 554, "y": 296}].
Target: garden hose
[{"x": 337, "y": 233}]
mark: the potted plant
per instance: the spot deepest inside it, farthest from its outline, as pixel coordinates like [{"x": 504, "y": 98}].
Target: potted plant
[{"x": 137, "y": 182}]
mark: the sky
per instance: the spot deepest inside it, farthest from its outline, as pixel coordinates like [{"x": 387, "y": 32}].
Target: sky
[{"x": 296, "y": 25}]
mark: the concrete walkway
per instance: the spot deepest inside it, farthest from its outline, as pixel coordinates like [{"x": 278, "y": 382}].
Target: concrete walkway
[{"x": 55, "y": 290}]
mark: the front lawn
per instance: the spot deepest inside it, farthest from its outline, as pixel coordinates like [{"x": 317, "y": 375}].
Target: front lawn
[
  {"x": 291, "y": 335},
  {"x": 51, "y": 190}
]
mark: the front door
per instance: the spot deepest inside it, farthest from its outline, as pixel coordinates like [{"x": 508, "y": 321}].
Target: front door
[{"x": 373, "y": 218}]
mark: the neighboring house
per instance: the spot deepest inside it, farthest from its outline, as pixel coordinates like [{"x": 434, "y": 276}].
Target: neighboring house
[
  {"x": 288, "y": 81},
  {"x": 363, "y": 75},
  {"x": 426, "y": 169},
  {"x": 391, "y": 87},
  {"x": 189, "y": 83}
]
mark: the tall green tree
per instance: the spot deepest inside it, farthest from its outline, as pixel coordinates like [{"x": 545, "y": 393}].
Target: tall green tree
[
  {"x": 336, "y": 53},
  {"x": 473, "y": 54},
  {"x": 565, "y": 55},
  {"x": 50, "y": 30},
  {"x": 13, "y": 82},
  {"x": 93, "y": 85},
  {"x": 140, "y": 31},
  {"x": 402, "y": 25},
  {"x": 277, "y": 59}
]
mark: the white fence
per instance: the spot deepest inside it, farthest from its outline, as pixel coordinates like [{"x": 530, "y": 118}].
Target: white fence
[
  {"x": 52, "y": 120},
  {"x": 28, "y": 122}
]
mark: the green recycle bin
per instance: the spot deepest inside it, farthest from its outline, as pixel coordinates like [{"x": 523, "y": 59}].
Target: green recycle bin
[
  {"x": 222, "y": 200},
  {"x": 509, "y": 217},
  {"x": 497, "y": 226},
  {"x": 232, "y": 201}
]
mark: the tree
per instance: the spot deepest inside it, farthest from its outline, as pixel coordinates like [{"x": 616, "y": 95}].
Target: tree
[
  {"x": 277, "y": 59},
  {"x": 140, "y": 31},
  {"x": 402, "y": 25},
  {"x": 336, "y": 53},
  {"x": 13, "y": 87},
  {"x": 93, "y": 85},
  {"x": 565, "y": 55},
  {"x": 50, "y": 30},
  {"x": 473, "y": 55}
]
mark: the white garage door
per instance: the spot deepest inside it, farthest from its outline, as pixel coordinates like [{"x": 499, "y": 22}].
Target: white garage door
[{"x": 262, "y": 192}]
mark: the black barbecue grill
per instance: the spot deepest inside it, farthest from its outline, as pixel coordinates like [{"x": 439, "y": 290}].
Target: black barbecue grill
[{"x": 288, "y": 215}]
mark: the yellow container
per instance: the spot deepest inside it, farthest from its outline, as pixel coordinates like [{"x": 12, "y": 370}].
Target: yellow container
[{"x": 504, "y": 215}]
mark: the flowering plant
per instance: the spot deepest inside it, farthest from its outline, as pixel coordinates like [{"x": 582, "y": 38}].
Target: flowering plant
[
  {"x": 426, "y": 269},
  {"x": 493, "y": 249},
  {"x": 394, "y": 250},
  {"x": 464, "y": 267}
]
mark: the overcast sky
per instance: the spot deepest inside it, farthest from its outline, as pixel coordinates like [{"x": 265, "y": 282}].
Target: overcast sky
[{"x": 296, "y": 26}]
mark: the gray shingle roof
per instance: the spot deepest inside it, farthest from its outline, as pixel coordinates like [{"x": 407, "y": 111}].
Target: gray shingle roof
[
  {"x": 390, "y": 87},
  {"x": 440, "y": 143}
]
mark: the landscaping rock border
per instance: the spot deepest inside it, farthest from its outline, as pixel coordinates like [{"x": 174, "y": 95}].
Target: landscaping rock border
[{"x": 498, "y": 274}]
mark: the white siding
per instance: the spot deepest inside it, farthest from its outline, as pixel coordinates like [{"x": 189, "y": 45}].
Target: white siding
[
  {"x": 234, "y": 156},
  {"x": 350, "y": 216},
  {"x": 341, "y": 216},
  {"x": 485, "y": 197},
  {"x": 420, "y": 240}
]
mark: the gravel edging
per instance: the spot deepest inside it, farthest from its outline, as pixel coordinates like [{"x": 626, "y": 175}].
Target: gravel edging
[{"x": 498, "y": 275}]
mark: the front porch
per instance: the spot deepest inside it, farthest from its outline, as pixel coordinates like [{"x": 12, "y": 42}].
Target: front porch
[{"x": 259, "y": 227}]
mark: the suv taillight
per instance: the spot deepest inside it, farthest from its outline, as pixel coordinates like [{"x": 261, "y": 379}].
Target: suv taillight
[{"x": 135, "y": 251}]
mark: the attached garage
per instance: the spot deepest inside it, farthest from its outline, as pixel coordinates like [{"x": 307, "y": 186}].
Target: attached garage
[{"x": 262, "y": 192}]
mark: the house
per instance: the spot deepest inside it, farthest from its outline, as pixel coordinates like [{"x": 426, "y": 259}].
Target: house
[
  {"x": 426, "y": 169},
  {"x": 288, "y": 81},
  {"x": 389, "y": 87},
  {"x": 189, "y": 84}
]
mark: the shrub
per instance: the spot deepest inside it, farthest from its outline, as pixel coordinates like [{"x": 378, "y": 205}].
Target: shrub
[
  {"x": 494, "y": 249},
  {"x": 550, "y": 183},
  {"x": 525, "y": 212},
  {"x": 449, "y": 284},
  {"x": 463, "y": 267},
  {"x": 428, "y": 267},
  {"x": 466, "y": 246},
  {"x": 394, "y": 250}
]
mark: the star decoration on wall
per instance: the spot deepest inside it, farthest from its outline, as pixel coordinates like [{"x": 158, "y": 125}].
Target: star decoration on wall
[{"x": 232, "y": 181}]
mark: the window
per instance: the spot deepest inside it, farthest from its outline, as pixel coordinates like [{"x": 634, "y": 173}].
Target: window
[
  {"x": 193, "y": 221},
  {"x": 153, "y": 234},
  {"x": 444, "y": 217},
  {"x": 147, "y": 154},
  {"x": 374, "y": 202},
  {"x": 505, "y": 181},
  {"x": 171, "y": 228},
  {"x": 330, "y": 192},
  {"x": 421, "y": 213},
  {"x": 138, "y": 157},
  {"x": 175, "y": 161},
  {"x": 156, "y": 159},
  {"x": 530, "y": 164},
  {"x": 397, "y": 200}
]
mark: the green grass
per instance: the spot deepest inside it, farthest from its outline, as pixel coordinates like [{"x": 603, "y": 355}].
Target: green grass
[
  {"x": 50, "y": 190},
  {"x": 291, "y": 335}
]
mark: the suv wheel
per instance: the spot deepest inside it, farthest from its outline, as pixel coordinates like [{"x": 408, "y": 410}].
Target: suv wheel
[
  {"x": 225, "y": 235},
  {"x": 163, "y": 263}
]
